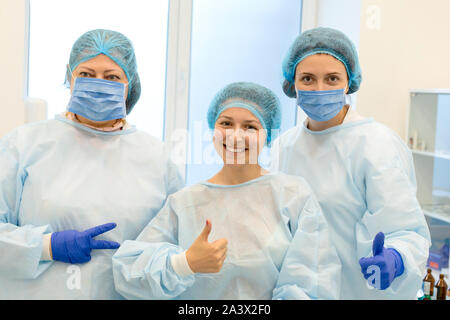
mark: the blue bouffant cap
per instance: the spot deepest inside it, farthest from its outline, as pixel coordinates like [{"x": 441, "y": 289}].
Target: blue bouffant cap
[{"x": 321, "y": 40}]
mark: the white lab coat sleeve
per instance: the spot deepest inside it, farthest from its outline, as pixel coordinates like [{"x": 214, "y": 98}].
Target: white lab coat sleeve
[
  {"x": 20, "y": 246},
  {"x": 143, "y": 268},
  {"x": 392, "y": 208},
  {"x": 311, "y": 268}
]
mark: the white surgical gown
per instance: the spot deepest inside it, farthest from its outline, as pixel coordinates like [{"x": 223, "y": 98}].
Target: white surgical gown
[
  {"x": 57, "y": 175},
  {"x": 277, "y": 239},
  {"x": 363, "y": 176}
]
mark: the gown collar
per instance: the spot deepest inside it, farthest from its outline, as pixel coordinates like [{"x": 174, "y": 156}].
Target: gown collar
[
  {"x": 352, "y": 118},
  {"x": 129, "y": 129},
  {"x": 213, "y": 185}
]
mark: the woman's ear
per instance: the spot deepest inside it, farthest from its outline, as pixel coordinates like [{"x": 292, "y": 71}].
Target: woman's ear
[{"x": 347, "y": 87}]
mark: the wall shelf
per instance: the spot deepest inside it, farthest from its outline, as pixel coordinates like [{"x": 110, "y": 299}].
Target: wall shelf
[
  {"x": 428, "y": 134},
  {"x": 429, "y": 140},
  {"x": 442, "y": 155},
  {"x": 445, "y": 217}
]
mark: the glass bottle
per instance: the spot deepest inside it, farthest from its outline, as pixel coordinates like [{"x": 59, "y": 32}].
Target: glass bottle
[
  {"x": 441, "y": 287},
  {"x": 428, "y": 285}
]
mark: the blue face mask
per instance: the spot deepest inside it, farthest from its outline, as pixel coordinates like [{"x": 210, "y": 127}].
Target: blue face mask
[
  {"x": 321, "y": 105},
  {"x": 98, "y": 99}
]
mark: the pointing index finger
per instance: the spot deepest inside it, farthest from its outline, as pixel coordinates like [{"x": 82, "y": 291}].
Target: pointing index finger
[{"x": 95, "y": 231}]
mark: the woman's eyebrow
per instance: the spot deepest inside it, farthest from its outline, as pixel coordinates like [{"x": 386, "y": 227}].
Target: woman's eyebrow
[
  {"x": 246, "y": 121},
  {"x": 89, "y": 69},
  {"x": 226, "y": 117},
  {"x": 92, "y": 70},
  {"x": 112, "y": 70},
  {"x": 312, "y": 74},
  {"x": 331, "y": 73}
]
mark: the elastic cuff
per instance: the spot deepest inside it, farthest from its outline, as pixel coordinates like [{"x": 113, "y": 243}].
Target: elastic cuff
[
  {"x": 180, "y": 265},
  {"x": 45, "y": 254}
]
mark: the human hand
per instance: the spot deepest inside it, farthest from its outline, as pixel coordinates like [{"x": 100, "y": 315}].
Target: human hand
[
  {"x": 73, "y": 246},
  {"x": 387, "y": 260},
  {"x": 204, "y": 256}
]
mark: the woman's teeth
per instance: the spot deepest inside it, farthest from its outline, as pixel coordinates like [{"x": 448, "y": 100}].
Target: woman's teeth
[{"x": 229, "y": 149}]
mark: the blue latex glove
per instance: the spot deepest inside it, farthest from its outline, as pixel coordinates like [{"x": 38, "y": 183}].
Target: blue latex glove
[
  {"x": 388, "y": 261},
  {"x": 73, "y": 246}
]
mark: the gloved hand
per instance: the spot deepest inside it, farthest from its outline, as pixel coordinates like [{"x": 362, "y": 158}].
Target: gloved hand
[
  {"x": 72, "y": 246},
  {"x": 388, "y": 260}
]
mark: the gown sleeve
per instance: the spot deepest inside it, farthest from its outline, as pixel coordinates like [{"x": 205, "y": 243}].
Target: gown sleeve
[
  {"x": 20, "y": 246},
  {"x": 142, "y": 268},
  {"x": 311, "y": 268},
  {"x": 392, "y": 208}
]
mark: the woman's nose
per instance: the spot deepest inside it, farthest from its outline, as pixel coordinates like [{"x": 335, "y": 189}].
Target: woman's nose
[
  {"x": 319, "y": 86},
  {"x": 236, "y": 136},
  {"x": 239, "y": 134}
]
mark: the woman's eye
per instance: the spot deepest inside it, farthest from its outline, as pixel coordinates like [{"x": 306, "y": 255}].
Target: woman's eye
[
  {"x": 333, "y": 79},
  {"x": 113, "y": 77},
  {"x": 84, "y": 74},
  {"x": 306, "y": 79},
  {"x": 225, "y": 123},
  {"x": 251, "y": 128}
]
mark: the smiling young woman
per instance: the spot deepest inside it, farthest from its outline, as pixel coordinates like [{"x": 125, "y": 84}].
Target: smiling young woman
[{"x": 246, "y": 233}]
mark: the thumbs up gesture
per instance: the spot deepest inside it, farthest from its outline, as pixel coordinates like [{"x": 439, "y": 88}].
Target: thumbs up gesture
[
  {"x": 388, "y": 261},
  {"x": 204, "y": 256}
]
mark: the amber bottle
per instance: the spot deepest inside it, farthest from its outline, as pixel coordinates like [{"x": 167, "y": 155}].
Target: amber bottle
[
  {"x": 441, "y": 287},
  {"x": 428, "y": 285}
]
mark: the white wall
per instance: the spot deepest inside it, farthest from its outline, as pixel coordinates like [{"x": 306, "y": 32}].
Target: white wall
[
  {"x": 13, "y": 23},
  {"x": 404, "y": 44}
]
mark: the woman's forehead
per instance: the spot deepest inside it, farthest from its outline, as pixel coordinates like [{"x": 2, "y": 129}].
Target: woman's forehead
[
  {"x": 238, "y": 113},
  {"x": 320, "y": 63},
  {"x": 101, "y": 61}
]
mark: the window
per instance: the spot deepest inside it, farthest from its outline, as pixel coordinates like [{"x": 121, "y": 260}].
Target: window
[
  {"x": 233, "y": 41},
  {"x": 56, "y": 25}
]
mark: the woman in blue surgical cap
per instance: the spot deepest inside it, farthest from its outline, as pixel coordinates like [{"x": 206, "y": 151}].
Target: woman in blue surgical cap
[
  {"x": 243, "y": 234},
  {"x": 360, "y": 170},
  {"x": 74, "y": 187}
]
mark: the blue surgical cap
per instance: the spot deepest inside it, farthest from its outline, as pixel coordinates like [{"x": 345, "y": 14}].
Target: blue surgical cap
[
  {"x": 118, "y": 48},
  {"x": 262, "y": 102},
  {"x": 321, "y": 40}
]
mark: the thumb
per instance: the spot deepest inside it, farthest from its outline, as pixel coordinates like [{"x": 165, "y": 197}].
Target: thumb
[
  {"x": 378, "y": 244},
  {"x": 206, "y": 231}
]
